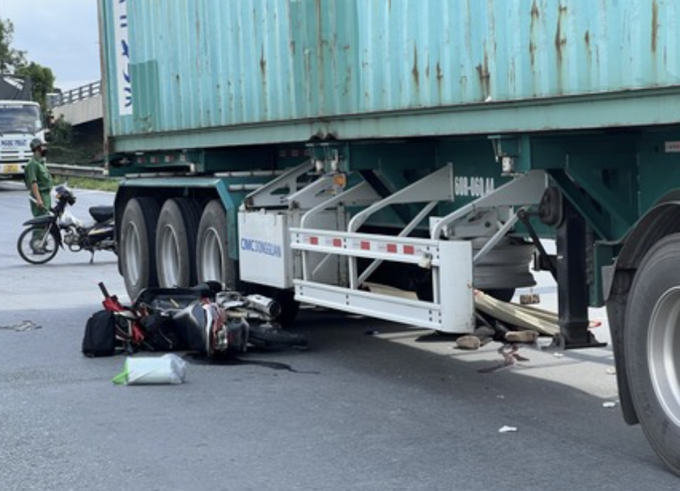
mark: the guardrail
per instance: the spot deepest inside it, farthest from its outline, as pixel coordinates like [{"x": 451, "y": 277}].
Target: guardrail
[
  {"x": 78, "y": 171},
  {"x": 74, "y": 95}
]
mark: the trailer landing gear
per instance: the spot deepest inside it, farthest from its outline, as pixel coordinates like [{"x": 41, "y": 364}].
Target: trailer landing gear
[{"x": 572, "y": 280}]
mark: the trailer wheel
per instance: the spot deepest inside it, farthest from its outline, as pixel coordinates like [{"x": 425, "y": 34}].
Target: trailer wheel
[
  {"x": 136, "y": 248},
  {"x": 176, "y": 243},
  {"x": 652, "y": 348},
  {"x": 212, "y": 257}
]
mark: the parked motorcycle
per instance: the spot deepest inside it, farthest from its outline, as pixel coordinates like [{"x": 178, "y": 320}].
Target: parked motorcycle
[{"x": 40, "y": 242}]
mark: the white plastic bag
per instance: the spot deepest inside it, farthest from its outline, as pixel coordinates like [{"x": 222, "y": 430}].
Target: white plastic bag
[{"x": 166, "y": 369}]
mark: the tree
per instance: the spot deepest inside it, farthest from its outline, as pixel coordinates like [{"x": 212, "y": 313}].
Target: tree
[
  {"x": 42, "y": 79},
  {"x": 10, "y": 58},
  {"x": 13, "y": 61}
]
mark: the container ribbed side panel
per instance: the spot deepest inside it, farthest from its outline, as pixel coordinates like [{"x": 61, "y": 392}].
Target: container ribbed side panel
[{"x": 201, "y": 64}]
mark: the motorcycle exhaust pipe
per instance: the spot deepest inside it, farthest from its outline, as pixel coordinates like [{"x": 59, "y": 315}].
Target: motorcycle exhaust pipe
[{"x": 264, "y": 305}]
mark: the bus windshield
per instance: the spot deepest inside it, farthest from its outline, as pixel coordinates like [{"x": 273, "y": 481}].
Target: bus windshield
[{"x": 20, "y": 118}]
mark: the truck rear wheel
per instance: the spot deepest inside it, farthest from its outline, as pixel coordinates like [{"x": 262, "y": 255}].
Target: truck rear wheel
[
  {"x": 136, "y": 248},
  {"x": 176, "y": 243},
  {"x": 212, "y": 253},
  {"x": 651, "y": 341}
]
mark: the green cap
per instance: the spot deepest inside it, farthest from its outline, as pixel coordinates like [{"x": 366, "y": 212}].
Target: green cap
[{"x": 35, "y": 143}]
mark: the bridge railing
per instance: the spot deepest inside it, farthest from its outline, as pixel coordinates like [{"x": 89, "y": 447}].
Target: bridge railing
[{"x": 74, "y": 95}]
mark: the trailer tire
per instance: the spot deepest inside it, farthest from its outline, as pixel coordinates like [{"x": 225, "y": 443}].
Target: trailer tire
[
  {"x": 176, "y": 243},
  {"x": 137, "y": 245},
  {"x": 212, "y": 248},
  {"x": 651, "y": 340}
]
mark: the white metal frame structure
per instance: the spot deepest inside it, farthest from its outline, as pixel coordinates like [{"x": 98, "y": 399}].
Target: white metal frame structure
[{"x": 450, "y": 260}]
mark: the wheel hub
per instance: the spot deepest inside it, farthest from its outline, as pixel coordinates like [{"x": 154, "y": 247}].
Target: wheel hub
[{"x": 662, "y": 352}]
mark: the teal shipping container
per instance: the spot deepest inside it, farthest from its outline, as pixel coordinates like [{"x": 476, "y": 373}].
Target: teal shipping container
[{"x": 220, "y": 72}]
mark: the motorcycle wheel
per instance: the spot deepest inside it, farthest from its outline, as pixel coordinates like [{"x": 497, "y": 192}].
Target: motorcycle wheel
[{"x": 43, "y": 251}]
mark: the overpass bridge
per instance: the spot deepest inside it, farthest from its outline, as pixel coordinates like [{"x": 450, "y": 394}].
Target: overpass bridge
[
  {"x": 79, "y": 106},
  {"x": 83, "y": 109}
]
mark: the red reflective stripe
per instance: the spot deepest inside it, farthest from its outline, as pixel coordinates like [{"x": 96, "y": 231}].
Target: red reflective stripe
[
  {"x": 337, "y": 243},
  {"x": 365, "y": 245},
  {"x": 391, "y": 247},
  {"x": 409, "y": 249},
  {"x": 314, "y": 240}
]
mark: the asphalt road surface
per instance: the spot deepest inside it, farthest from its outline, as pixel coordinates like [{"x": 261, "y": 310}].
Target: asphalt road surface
[{"x": 369, "y": 406}]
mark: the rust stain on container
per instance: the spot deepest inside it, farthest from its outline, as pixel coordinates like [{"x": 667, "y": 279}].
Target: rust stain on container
[
  {"x": 320, "y": 45},
  {"x": 263, "y": 64},
  {"x": 484, "y": 76},
  {"x": 589, "y": 51},
  {"x": 535, "y": 13},
  {"x": 348, "y": 81},
  {"x": 560, "y": 43},
  {"x": 655, "y": 24},
  {"x": 414, "y": 71},
  {"x": 535, "y": 17},
  {"x": 292, "y": 24},
  {"x": 440, "y": 78},
  {"x": 198, "y": 45},
  {"x": 560, "y": 40}
]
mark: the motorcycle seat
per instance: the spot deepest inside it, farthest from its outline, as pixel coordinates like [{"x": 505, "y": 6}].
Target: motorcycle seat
[{"x": 101, "y": 213}]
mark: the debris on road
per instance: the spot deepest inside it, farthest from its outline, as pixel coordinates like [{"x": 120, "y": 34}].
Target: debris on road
[
  {"x": 609, "y": 404},
  {"x": 468, "y": 342},
  {"x": 510, "y": 356},
  {"x": 522, "y": 316},
  {"x": 21, "y": 326},
  {"x": 529, "y": 298},
  {"x": 158, "y": 370},
  {"x": 507, "y": 429}
]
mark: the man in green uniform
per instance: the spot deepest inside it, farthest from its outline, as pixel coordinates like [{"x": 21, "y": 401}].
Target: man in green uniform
[{"x": 38, "y": 181}]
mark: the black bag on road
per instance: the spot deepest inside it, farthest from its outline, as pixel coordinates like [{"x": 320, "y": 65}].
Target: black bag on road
[{"x": 100, "y": 334}]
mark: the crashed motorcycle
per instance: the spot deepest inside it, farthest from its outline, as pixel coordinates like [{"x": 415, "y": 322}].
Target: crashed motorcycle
[
  {"x": 44, "y": 235},
  {"x": 204, "y": 320}
]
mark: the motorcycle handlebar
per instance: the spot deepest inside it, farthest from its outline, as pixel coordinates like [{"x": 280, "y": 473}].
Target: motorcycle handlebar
[{"x": 105, "y": 292}]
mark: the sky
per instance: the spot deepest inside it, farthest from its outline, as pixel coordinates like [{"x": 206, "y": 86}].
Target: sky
[{"x": 58, "y": 34}]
